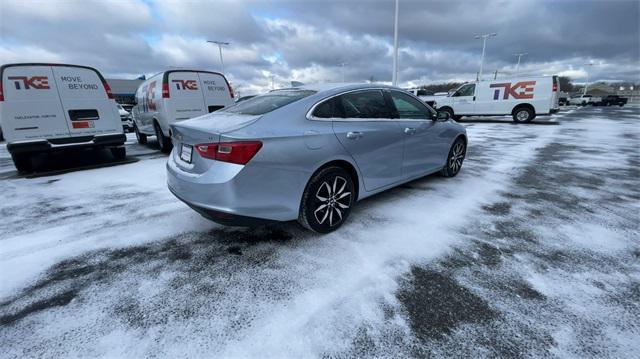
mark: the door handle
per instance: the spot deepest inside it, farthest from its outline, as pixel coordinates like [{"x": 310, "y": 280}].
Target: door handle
[
  {"x": 354, "y": 135},
  {"x": 409, "y": 130}
]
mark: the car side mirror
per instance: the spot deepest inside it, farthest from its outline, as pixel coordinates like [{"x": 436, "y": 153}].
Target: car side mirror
[{"x": 442, "y": 116}]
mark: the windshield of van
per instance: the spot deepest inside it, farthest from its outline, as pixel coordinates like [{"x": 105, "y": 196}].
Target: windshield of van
[{"x": 260, "y": 105}]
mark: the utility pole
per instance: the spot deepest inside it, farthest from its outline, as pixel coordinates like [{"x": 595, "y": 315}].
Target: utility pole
[
  {"x": 584, "y": 92},
  {"x": 484, "y": 38},
  {"x": 219, "y": 43},
  {"x": 394, "y": 80},
  {"x": 495, "y": 75},
  {"x": 519, "y": 56}
]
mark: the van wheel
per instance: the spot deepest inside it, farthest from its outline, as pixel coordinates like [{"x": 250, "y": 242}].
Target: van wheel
[
  {"x": 449, "y": 111},
  {"x": 164, "y": 143},
  {"x": 327, "y": 200},
  {"x": 22, "y": 162},
  {"x": 523, "y": 114},
  {"x": 119, "y": 153},
  {"x": 141, "y": 137}
]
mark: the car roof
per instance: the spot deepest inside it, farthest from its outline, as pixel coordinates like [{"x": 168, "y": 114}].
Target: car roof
[{"x": 327, "y": 88}]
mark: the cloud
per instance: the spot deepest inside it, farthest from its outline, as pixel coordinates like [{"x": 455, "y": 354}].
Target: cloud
[{"x": 309, "y": 40}]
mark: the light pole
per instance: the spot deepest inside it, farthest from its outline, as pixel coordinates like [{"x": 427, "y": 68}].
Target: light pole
[
  {"x": 519, "y": 56},
  {"x": 584, "y": 92},
  {"x": 394, "y": 80},
  {"x": 220, "y": 43},
  {"x": 342, "y": 65},
  {"x": 272, "y": 81},
  {"x": 484, "y": 38}
]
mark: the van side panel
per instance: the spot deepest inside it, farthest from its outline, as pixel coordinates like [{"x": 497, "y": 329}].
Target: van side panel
[
  {"x": 149, "y": 98},
  {"x": 500, "y": 97},
  {"x": 215, "y": 91},
  {"x": 32, "y": 107},
  {"x": 87, "y": 107}
]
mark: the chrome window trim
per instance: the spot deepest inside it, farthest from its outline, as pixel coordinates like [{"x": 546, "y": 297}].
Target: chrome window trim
[{"x": 310, "y": 117}]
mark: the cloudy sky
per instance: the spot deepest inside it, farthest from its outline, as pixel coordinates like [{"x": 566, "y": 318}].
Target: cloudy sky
[{"x": 308, "y": 41}]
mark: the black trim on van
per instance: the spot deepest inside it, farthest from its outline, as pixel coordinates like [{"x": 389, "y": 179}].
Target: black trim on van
[{"x": 50, "y": 145}]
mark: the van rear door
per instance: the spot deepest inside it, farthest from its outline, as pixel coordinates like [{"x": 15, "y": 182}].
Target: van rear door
[
  {"x": 88, "y": 108},
  {"x": 215, "y": 90},
  {"x": 185, "y": 97},
  {"x": 31, "y": 108}
]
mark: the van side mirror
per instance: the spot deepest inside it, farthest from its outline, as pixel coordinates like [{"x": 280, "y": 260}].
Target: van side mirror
[{"x": 442, "y": 116}]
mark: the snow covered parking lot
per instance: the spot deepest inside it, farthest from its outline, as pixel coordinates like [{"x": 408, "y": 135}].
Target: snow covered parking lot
[{"x": 531, "y": 251}]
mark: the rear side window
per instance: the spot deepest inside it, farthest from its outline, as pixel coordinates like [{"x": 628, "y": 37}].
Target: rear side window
[
  {"x": 365, "y": 104},
  {"x": 329, "y": 109},
  {"x": 266, "y": 103},
  {"x": 408, "y": 107}
]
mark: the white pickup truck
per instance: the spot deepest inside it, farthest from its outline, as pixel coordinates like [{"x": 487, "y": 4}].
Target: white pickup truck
[{"x": 583, "y": 100}]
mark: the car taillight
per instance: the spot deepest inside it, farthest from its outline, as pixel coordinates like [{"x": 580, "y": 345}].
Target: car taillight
[
  {"x": 107, "y": 89},
  {"x": 555, "y": 87},
  {"x": 165, "y": 90},
  {"x": 232, "y": 152}
]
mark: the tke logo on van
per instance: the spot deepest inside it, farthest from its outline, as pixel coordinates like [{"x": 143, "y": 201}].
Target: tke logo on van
[
  {"x": 36, "y": 82},
  {"x": 186, "y": 84},
  {"x": 521, "y": 90}
]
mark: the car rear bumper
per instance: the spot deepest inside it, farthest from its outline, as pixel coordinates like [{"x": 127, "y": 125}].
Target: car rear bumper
[
  {"x": 49, "y": 145},
  {"x": 239, "y": 195}
]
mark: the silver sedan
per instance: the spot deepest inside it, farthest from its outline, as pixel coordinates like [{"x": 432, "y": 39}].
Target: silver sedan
[{"x": 309, "y": 153}]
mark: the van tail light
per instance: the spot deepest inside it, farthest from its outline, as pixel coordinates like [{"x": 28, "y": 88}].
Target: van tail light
[
  {"x": 231, "y": 90},
  {"x": 1, "y": 92},
  {"x": 107, "y": 89},
  {"x": 233, "y": 152},
  {"x": 165, "y": 90},
  {"x": 555, "y": 87}
]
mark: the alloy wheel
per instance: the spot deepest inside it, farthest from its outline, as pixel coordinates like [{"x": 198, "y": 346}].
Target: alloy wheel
[
  {"x": 457, "y": 156},
  {"x": 332, "y": 200}
]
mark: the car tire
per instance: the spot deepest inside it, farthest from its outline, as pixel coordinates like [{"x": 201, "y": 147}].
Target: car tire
[
  {"x": 141, "y": 137},
  {"x": 164, "y": 143},
  {"x": 119, "y": 153},
  {"x": 327, "y": 200},
  {"x": 523, "y": 115},
  {"x": 455, "y": 158},
  {"x": 22, "y": 162},
  {"x": 584, "y": 104},
  {"x": 620, "y": 104}
]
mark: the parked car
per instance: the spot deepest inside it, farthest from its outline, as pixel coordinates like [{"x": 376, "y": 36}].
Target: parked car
[
  {"x": 125, "y": 118},
  {"x": 563, "y": 98},
  {"x": 523, "y": 98},
  {"x": 309, "y": 153},
  {"x": 127, "y": 107},
  {"x": 432, "y": 100},
  {"x": 612, "y": 100},
  {"x": 177, "y": 95},
  {"x": 584, "y": 100},
  {"x": 54, "y": 107}
]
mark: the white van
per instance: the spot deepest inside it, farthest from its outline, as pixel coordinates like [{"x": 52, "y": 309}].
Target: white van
[
  {"x": 177, "y": 95},
  {"x": 523, "y": 98},
  {"x": 51, "y": 107}
]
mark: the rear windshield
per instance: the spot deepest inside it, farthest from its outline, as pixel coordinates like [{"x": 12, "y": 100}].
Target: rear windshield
[{"x": 268, "y": 102}]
